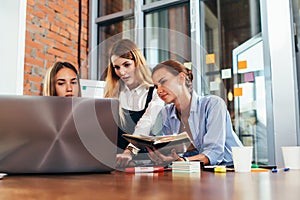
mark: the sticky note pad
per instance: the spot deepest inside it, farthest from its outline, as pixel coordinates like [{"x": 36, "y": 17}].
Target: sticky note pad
[
  {"x": 210, "y": 58},
  {"x": 226, "y": 73},
  {"x": 214, "y": 86},
  {"x": 188, "y": 65},
  {"x": 238, "y": 92},
  {"x": 242, "y": 64},
  {"x": 249, "y": 77}
]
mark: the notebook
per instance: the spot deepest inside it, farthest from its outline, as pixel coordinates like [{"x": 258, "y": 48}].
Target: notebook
[{"x": 57, "y": 134}]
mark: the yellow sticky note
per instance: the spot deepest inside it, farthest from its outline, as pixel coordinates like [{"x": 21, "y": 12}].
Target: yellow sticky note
[
  {"x": 242, "y": 64},
  {"x": 238, "y": 92},
  {"x": 188, "y": 65},
  {"x": 210, "y": 58}
]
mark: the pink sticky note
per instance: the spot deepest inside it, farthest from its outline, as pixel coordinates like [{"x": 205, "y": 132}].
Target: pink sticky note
[{"x": 249, "y": 77}]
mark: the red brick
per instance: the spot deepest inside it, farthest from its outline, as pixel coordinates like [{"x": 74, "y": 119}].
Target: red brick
[
  {"x": 64, "y": 33},
  {"x": 45, "y": 24},
  {"x": 29, "y": 10},
  {"x": 33, "y": 61},
  {"x": 26, "y": 85},
  {"x": 66, "y": 20},
  {"x": 41, "y": 55},
  {"x": 45, "y": 9},
  {"x": 56, "y": 52},
  {"x": 45, "y": 41},
  {"x": 27, "y": 68},
  {"x": 63, "y": 48},
  {"x": 33, "y": 44},
  {"x": 36, "y": 79},
  {"x": 72, "y": 59},
  {"x": 34, "y": 28},
  {"x": 28, "y": 51},
  {"x": 55, "y": 36},
  {"x": 72, "y": 3},
  {"x": 54, "y": 28},
  {"x": 56, "y": 7},
  {"x": 68, "y": 42},
  {"x": 30, "y": 2},
  {"x": 39, "y": 14}
]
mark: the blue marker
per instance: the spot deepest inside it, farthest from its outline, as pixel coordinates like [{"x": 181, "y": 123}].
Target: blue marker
[{"x": 277, "y": 170}]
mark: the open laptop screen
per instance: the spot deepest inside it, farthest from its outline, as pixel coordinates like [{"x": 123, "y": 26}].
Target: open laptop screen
[{"x": 57, "y": 134}]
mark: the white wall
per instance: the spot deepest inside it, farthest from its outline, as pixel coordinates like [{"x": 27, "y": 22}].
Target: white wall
[{"x": 12, "y": 45}]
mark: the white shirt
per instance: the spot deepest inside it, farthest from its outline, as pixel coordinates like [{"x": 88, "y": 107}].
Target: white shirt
[{"x": 135, "y": 100}]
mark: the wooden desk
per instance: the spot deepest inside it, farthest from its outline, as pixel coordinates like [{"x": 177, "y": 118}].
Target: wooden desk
[{"x": 164, "y": 185}]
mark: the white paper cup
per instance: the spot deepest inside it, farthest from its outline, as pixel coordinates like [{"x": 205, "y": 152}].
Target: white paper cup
[
  {"x": 291, "y": 156},
  {"x": 242, "y": 158}
]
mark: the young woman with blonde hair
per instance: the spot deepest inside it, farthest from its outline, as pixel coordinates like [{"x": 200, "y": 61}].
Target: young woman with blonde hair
[{"x": 129, "y": 79}]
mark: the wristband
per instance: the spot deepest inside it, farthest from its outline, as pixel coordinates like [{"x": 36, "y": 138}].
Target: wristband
[{"x": 133, "y": 151}]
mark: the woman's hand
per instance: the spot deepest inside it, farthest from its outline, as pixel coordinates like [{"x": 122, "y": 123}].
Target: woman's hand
[
  {"x": 123, "y": 159},
  {"x": 159, "y": 158}
]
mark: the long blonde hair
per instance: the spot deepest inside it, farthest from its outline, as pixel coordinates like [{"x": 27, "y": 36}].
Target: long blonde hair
[
  {"x": 49, "y": 79},
  {"x": 125, "y": 48}
]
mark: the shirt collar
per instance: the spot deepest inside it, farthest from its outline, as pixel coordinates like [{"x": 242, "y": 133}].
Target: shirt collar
[
  {"x": 173, "y": 113},
  {"x": 138, "y": 89},
  {"x": 194, "y": 102}
]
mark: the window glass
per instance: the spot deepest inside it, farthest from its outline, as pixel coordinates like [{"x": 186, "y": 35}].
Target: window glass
[
  {"x": 107, "y": 7},
  {"x": 150, "y": 1},
  {"x": 167, "y": 37}
]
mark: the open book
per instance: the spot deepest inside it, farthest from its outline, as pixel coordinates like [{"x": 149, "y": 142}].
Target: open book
[{"x": 181, "y": 142}]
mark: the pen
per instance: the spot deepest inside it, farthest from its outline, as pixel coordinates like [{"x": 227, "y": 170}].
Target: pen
[
  {"x": 283, "y": 169},
  {"x": 143, "y": 169}
]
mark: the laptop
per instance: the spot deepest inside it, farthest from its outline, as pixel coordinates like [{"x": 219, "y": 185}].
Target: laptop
[{"x": 57, "y": 134}]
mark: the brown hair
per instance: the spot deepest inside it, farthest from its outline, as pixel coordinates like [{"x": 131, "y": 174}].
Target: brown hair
[
  {"x": 125, "y": 48},
  {"x": 49, "y": 80},
  {"x": 175, "y": 67}
]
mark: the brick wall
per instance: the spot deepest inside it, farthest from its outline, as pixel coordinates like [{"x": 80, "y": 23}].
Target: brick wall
[{"x": 52, "y": 34}]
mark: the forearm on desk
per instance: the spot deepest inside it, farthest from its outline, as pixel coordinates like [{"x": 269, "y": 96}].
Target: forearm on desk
[{"x": 199, "y": 157}]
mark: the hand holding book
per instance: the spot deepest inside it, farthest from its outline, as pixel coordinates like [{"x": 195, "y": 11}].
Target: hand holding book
[{"x": 181, "y": 142}]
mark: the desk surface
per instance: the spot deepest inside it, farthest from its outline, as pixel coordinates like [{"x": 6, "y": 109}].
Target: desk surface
[{"x": 163, "y": 185}]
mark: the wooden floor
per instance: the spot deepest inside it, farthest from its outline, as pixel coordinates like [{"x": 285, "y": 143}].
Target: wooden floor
[{"x": 162, "y": 185}]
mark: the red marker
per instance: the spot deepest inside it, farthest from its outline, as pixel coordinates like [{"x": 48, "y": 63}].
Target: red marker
[{"x": 143, "y": 169}]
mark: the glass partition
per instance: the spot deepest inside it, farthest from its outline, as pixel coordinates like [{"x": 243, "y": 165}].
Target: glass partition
[{"x": 250, "y": 97}]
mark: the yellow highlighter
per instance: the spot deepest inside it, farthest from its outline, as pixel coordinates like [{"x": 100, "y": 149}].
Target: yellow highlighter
[{"x": 220, "y": 169}]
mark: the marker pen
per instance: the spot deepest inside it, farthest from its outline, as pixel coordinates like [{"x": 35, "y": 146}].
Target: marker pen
[
  {"x": 283, "y": 169},
  {"x": 143, "y": 169}
]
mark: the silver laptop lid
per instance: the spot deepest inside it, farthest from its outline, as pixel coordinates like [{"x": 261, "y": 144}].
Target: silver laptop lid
[{"x": 57, "y": 134}]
